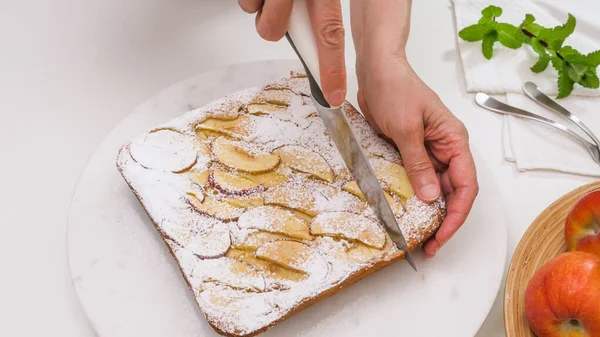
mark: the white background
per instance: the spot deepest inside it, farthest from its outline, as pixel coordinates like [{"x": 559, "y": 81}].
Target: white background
[{"x": 70, "y": 70}]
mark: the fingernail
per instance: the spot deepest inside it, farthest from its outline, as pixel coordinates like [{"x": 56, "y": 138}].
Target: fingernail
[
  {"x": 337, "y": 97},
  {"x": 429, "y": 192}
]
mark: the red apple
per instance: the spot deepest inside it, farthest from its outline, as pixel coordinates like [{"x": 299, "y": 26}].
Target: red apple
[
  {"x": 563, "y": 297},
  {"x": 582, "y": 227}
]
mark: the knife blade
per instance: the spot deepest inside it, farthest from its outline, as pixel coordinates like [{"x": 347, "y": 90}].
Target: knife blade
[{"x": 338, "y": 127}]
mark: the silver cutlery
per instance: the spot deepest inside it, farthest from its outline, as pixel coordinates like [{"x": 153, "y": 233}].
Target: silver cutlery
[
  {"x": 533, "y": 92},
  {"x": 494, "y": 105}
]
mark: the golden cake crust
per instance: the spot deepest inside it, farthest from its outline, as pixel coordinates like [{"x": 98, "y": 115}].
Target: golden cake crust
[{"x": 259, "y": 226}]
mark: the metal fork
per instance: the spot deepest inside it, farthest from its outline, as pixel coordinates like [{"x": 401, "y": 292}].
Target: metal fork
[{"x": 494, "y": 105}]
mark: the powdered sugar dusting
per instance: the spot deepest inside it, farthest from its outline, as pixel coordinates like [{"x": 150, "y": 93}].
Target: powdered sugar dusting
[{"x": 239, "y": 296}]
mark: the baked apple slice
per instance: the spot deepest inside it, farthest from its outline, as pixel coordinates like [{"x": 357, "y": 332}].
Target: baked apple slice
[
  {"x": 164, "y": 150},
  {"x": 210, "y": 245},
  {"x": 254, "y": 240},
  {"x": 231, "y": 183},
  {"x": 349, "y": 226},
  {"x": 275, "y": 220},
  {"x": 265, "y": 109},
  {"x": 237, "y": 128},
  {"x": 352, "y": 187},
  {"x": 306, "y": 161},
  {"x": 269, "y": 269},
  {"x": 200, "y": 177},
  {"x": 244, "y": 201},
  {"x": 393, "y": 178},
  {"x": 215, "y": 208},
  {"x": 233, "y": 155},
  {"x": 235, "y": 274},
  {"x": 268, "y": 179},
  {"x": 294, "y": 196},
  {"x": 281, "y": 97},
  {"x": 294, "y": 255},
  {"x": 361, "y": 253}
]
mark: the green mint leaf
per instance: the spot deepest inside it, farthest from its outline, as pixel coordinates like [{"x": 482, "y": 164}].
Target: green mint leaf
[
  {"x": 487, "y": 46},
  {"x": 565, "y": 84},
  {"x": 576, "y": 72},
  {"x": 593, "y": 59},
  {"x": 510, "y": 36},
  {"x": 590, "y": 79},
  {"x": 474, "y": 32},
  {"x": 537, "y": 47},
  {"x": 529, "y": 19},
  {"x": 571, "y": 55},
  {"x": 485, "y": 20},
  {"x": 557, "y": 35},
  {"x": 491, "y": 11},
  {"x": 557, "y": 63},
  {"x": 533, "y": 28},
  {"x": 541, "y": 64},
  {"x": 544, "y": 59}
]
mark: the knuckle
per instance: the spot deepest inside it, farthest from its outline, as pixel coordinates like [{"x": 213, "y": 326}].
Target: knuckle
[
  {"x": 418, "y": 167},
  {"x": 331, "y": 34}
]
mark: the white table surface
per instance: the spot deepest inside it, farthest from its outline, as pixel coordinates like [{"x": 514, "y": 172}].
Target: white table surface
[{"x": 71, "y": 70}]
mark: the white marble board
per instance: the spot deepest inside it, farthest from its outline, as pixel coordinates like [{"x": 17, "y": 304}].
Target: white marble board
[{"x": 129, "y": 285}]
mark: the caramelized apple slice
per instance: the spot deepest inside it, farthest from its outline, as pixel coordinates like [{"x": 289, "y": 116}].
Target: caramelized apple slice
[
  {"x": 231, "y": 183},
  {"x": 235, "y": 274},
  {"x": 265, "y": 109},
  {"x": 234, "y": 156},
  {"x": 393, "y": 178},
  {"x": 245, "y": 201},
  {"x": 305, "y": 217},
  {"x": 299, "y": 197},
  {"x": 199, "y": 177},
  {"x": 281, "y": 97},
  {"x": 195, "y": 190},
  {"x": 352, "y": 187},
  {"x": 275, "y": 220},
  {"x": 237, "y": 128},
  {"x": 293, "y": 255},
  {"x": 210, "y": 245},
  {"x": 362, "y": 253},
  {"x": 164, "y": 150},
  {"x": 268, "y": 179},
  {"x": 254, "y": 240},
  {"x": 269, "y": 269},
  {"x": 215, "y": 208},
  {"x": 306, "y": 161},
  {"x": 350, "y": 226},
  {"x": 312, "y": 198}
]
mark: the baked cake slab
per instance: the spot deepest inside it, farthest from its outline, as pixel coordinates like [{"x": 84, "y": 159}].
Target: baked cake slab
[{"x": 258, "y": 208}]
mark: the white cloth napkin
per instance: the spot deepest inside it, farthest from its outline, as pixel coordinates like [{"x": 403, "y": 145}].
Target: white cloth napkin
[{"x": 532, "y": 146}]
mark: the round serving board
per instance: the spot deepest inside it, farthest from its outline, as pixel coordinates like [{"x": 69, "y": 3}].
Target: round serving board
[
  {"x": 543, "y": 241},
  {"x": 129, "y": 284}
]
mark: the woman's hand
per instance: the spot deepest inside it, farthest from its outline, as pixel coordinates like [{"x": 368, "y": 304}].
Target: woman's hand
[
  {"x": 272, "y": 17},
  {"x": 433, "y": 143}
]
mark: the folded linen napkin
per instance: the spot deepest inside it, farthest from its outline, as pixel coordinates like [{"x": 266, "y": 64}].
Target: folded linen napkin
[{"x": 524, "y": 142}]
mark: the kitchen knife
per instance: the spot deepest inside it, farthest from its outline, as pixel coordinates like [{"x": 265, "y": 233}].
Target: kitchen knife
[{"x": 300, "y": 36}]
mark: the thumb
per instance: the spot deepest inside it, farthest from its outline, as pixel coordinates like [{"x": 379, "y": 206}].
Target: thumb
[{"x": 416, "y": 161}]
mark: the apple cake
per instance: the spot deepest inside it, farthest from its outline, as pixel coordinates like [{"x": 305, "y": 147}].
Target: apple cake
[{"x": 257, "y": 207}]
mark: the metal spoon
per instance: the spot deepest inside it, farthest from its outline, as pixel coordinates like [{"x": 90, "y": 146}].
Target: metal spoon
[
  {"x": 533, "y": 92},
  {"x": 494, "y": 105}
]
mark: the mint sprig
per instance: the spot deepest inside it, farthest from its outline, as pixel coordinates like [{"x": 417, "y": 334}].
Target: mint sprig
[{"x": 548, "y": 43}]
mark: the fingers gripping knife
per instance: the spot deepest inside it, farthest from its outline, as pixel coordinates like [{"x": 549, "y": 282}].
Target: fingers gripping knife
[{"x": 300, "y": 36}]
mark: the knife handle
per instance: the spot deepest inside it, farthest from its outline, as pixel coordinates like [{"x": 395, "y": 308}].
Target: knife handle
[{"x": 300, "y": 35}]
